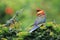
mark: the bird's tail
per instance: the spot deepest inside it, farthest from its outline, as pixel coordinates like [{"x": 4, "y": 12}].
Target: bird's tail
[{"x": 34, "y": 28}]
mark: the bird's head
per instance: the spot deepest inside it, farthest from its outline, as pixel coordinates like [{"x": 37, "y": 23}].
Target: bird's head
[
  {"x": 40, "y": 12},
  {"x": 9, "y": 10}
]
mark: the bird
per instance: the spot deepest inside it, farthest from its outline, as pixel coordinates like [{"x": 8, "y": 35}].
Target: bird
[
  {"x": 41, "y": 19},
  {"x": 14, "y": 19}
]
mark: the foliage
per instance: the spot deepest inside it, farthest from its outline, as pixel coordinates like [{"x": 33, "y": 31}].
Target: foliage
[
  {"x": 50, "y": 31},
  {"x": 46, "y": 32},
  {"x": 3, "y": 16}
]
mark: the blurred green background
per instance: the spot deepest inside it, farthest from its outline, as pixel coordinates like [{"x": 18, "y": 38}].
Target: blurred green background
[
  {"x": 51, "y": 8},
  {"x": 28, "y": 16}
]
